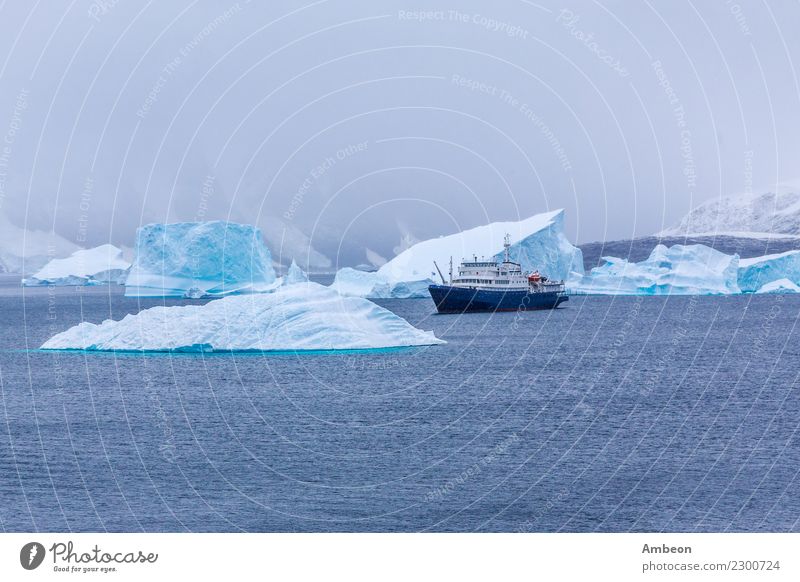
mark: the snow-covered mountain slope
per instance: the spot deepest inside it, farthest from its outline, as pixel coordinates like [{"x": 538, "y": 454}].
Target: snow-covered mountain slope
[
  {"x": 298, "y": 317},
  {"x": 97, "y": 266},
  {"x": 26, "y": 251},
  {"x": 194, "y": 259},
  {"x": 765, "y": 215},
  {"x": 537, "y": 242}
]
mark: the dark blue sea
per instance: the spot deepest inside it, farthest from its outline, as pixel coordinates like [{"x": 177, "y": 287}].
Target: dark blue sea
[{"x": 610, "y": 414}]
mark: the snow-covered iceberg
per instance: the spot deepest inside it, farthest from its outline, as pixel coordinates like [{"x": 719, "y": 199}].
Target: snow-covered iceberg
[
  {"x": 781, "y": 286},
  {"x": 677, "y": 270},
  {"x": 756, "y": 272},
  {"x": 537, "y": 242},
  {"x": 299, "y": 317},
  {"x": 98, "y": 266},
  {"x": 196, "y": 259}
]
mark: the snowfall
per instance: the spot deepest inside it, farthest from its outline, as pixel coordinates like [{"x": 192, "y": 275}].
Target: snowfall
[
  {"x": 297, "y": 317},
  {"x": 98, "y": 266}
]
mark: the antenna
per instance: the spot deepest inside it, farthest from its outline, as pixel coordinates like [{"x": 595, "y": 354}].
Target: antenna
[
  {"x": 506, "y": 246},
  {"x": 440, "y": 273},
  {"x": 451, "y": 269}
]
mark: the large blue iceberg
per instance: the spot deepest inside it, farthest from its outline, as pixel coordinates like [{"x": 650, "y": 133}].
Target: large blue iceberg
[
  {"x": 537, "y": 242},
  {"x": 677, "y": 270},
  {"x": 757, "y": 272},
  {"x": 196, "y": 259},
  {"x": 297, "y": 317}
]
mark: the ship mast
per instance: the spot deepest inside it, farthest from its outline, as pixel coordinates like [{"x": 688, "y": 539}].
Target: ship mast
[{"x": 506, "y": 246}]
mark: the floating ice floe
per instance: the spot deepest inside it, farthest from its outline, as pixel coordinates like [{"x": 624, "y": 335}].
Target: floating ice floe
[
  {"x": 198, "y": 259},
  {"x": 98, "y": 266},
  {"x": 537, "y": 242},
  {"x": 678, "y": 270},
  {"x": 297, "y": 317}
]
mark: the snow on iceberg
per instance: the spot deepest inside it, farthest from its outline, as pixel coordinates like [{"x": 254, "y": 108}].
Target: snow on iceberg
[
  {"x": 780, "y": 286},
  {"x": 299, "y": 317},
  {"x": 537, "y": 242},
  {"x": 196, "y": 259},
  {"x": 97, "y": 266},
  {"x": 677, "y": 270},
  {"x": 756, "y": 272}
]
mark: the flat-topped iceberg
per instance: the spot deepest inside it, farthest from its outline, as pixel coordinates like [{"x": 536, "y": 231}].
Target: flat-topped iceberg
[
  {"x": 537, "y": 242},
  {"x": 298, "y": 317},
  {"x": 196, "y": 259},
  {"x": 677, "y": 270},
  {"x": 756, "y": 272},
  {"x": 98, "y": 266}
]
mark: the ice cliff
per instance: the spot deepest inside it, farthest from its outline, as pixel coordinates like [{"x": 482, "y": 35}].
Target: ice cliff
[
  {"x": 97, "y": 266},
  {"x": 679, "y": 270},
  {"x": 756, "y": 272},
  {"x": 537, "y": 242},
  {"x": 196, "y": 259},
  {"x": 298, "y": 317}
]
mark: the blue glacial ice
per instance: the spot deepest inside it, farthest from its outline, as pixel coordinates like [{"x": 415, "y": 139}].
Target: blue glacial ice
[
  {"x": 196, "y": 259},
  {"x": 294, "y": 275},
  {"x": 98, "y": 266},
  {"x": 780, "y": 286},
  {"x": 756, "y": 272},
  {"x": 677, "y": 270},
  {"x": 298, "y": 317},
  {"x": 537, "y": 242}
]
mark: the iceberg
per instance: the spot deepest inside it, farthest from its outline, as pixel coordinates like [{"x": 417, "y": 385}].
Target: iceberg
[
  {"x": 298, "y": 317},
  {"x": 537, "y": 242},
  {"x": 26, "y": 251},
  {"x": 756, "y": 272},
  {"x": 98, "y": 266},
  {"x": 197, "y": 259},
  {"x": 780, "y": 286},
  {"x": 677, "y": 270},
  {"x": 295, "y": 275}
]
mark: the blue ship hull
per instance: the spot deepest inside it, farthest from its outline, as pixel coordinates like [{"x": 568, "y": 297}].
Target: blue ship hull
[{"x": 461, "y": 300}]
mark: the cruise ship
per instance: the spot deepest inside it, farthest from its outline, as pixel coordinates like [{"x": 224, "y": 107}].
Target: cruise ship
[{"x": 488, "y": 285}]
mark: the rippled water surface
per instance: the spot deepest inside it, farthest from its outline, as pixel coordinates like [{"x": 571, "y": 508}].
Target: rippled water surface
[{"x": 611, "y": 414}]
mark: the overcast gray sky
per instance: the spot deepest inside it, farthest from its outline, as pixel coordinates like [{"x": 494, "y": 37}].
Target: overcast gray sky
[{"x": 368, "y": 125}]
